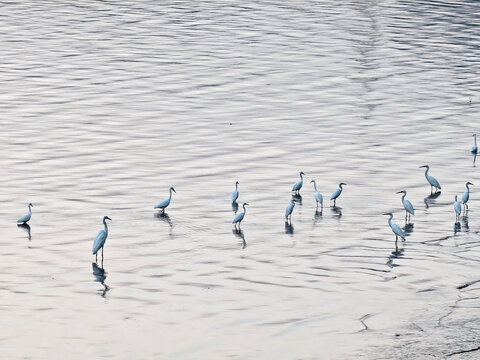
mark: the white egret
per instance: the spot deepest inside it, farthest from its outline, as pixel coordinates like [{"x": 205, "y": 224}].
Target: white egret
[
  {"x": 458, "y": 209},
  {"x": 474, "y": 147},
  {"x": 318, "y": 195},
  {"x": 337, "y": 193},
  {"x": 289, "y": 210},
  {"x": 239, "y": 217},
  {"x": 162, "y": 205},
  {"x": 395, "y": 228},
  {"x": 431, "y": 180},
  {"x": 466, "y": 195},
  {"x": 26, "y": 218},
  {"x": 407, "y": 205},
  {"x": 100, "y": 239},
  {"x": 235, "y": 193},
  {"x": 298, "y": 185}
]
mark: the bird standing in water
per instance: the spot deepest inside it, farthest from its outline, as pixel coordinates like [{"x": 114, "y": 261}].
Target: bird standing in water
[
  {"x": 458, "y": 209},
  {"x": 235, "y": 193},
  {"x": 289, "y": 210},
  {"x": 466, "y": 196},
  {"x": 337, "y": 193},
  {"x": 474, "y": 147},
  {"x": 100, "y": 239},
  {"x": 298, "y": 185},
  {"x": 239, "y": 217},
  {"x": 163, "y": 205},
  {"x": 395, "y": 228},
  {"x": 26, "y": 218},
  {"x": 407, "y": 205},
  {"x": 318, "y": 195},
  {"x": 431, "y": 180}
]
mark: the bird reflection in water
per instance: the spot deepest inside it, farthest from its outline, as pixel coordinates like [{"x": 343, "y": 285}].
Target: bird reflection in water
[
  {"x": 239, "y": 233},
  {"x": 235, "y": 207},
  {"x": 408, "y": 229},
  {"x": 288, "y": 228},
  {"x": 457, "y": 227},
  {"x": 27, "y": 228},
  {"x": 337, "y": 210},
  {"x": 297, "y": 198},
  {"x": 396, "y": 254},
  {"x": 318, "y": 216},
  {"x": 430, "y": 199},
  {"x": 165, "y": 218},
  {"x": 100, "y": 275}
]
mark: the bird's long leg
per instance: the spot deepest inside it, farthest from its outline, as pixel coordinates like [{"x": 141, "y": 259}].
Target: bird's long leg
[
  {"x": 96, "y": 255},
  {"x": 396, "y": 238},
  {"x": 334, "y": 201},
  {"x": 102, "y": 253}
]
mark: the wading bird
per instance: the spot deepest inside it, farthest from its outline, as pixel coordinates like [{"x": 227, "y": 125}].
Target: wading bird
[
  {"x": 289, "y": 210},
  {"x": 100, "y": 239},
  {"x": 458, "y": 209},
  {"x": 407, "y": 205},
  {"x": 235, "y": 193},
  {"x": 318, "y": 195},
  {"x": 26, "y": 218},
  {"x": 162, "y": 206},
  {"x": 239, "y": 217},
  {"x": 395, "y": 228},
  {"x": 431, "y": 180},
  {"x": 466, "y": 195},
  {"x": 474, "y": 147},
  {"x": 337, "y": 193},
  {"x": 298, "y": 185}
]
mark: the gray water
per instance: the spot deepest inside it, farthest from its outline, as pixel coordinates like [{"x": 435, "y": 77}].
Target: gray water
[{"x": 105, "y": 105}]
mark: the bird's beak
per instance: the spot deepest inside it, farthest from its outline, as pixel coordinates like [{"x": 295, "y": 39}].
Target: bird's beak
[
  {"x": 174, "y": 191},
  {"x": 398, "y": 192},
  {"x": 311, "y": 181},
  {"x": 109, "y": 218},
  {"x": 385, "y": 214}
]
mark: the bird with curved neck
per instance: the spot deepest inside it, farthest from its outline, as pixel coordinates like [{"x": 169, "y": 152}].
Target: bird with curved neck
[
  {"x": 431, "y": 180},
  {"x": 466, "y": 195},
  {"x": 337, "y": 193},
  {"x": 26, "y": 218},
  {"x": 407, "y": 205},
  {"x": 289, "y": 210},
  {"x": 163, "y": 205},
  {"x": 318, "y": 195},
  {"x": 239, "y": 217},
  {"x": 99, "y": 241},
  {"x": 395, "y": 228},
  {"x": 474, "y": 147},
  {"x": 235, "y": 193},
  {"x": 458, "y": 209},
  {"x": 298, "y": 185}
]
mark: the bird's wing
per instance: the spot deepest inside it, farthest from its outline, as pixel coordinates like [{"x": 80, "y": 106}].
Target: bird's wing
[
  {"x": 398, "y": 230},
  {"x": 319, "y": 197},
  {"x": 238, "y": 217},
  {"x": 335, "y": 194},
  {"x": 234, "y": 195},
  {"x": 24, "y": 218},
  {"x": 288, "y": 209},
  {"x": 434, "y": 182},
  {"x": 457, "y": 207},
  {"x": 161, "y": 204},
  {"x": 464, "y": 197},
  {"x": 296, "y": 186},
  {"x": 99, "y": 241},
  {"x": 409, "y": 207}
]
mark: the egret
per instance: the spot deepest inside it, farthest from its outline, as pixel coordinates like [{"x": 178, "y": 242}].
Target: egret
[
  {"x": 298, "y": 185},
  {"x": 458, "y": 209},
  {"x": 474, "y": 147},
  {"x": 289, "y": 210},
  {"x": 318, "y": 195},
  {"x": 466, "y": 195},
  {"x": 239, "y": 217},
  {"x": 431, "y": 180},
  {"x": 395, "y": 228},
  {"x": 26, "y": 218},
  {"x": 100, "y": 239},
  {"x": 337, "y": 193},
  {"x": 235, "y": 193},
  {"x": 165, "y": 203},
  {"x": 407, "y": 205}
]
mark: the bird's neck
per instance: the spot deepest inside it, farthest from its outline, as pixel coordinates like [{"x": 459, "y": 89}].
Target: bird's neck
[
  {"x": 403, "y": 197},
  {"x": 315, "y": 185},
  {"x": 301, "y": 177},
  {"x": 426, "y": 172},
  {"x": 30, "y": 209},
  {"x": 244, "y": 209},
  {"x": 105, "y": 225},
  {"x": 390, "y": 220},
  {"x": 340, "y": 186},
  {"x": 236, "y": 186},
  {"x": 468, "y": 189}
]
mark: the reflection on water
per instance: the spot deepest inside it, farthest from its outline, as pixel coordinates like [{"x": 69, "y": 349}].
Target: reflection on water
[
  {"x": 408, "y": 229},
  {"x": 100, "y": 276},
  {"x": 298, "y": 199},
  {"x": 430, "y": 199},
  {"x": 317, "y": 216},
  {"x": 235, "y": 207},
  {"x": 239, "y": 234},
  {"x": 108, "y": 103},
  {"x": 27, "y": 228}
]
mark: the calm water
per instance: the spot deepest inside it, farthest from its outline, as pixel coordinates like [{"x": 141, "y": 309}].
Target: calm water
[{"x": 105, "y": 105}]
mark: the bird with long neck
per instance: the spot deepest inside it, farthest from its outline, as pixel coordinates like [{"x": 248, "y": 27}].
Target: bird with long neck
[
  {"x": 431, "y": 180},
  {"x": 395, "y": 228},
  {"x": 458, "y": 209},
  {"x": 235, "y": 193},
  {"x": 298, "y": 185},
  {"x": 466, "y": 195},
  {"x": 163, "y": 205},
  {"x": 318, "y": 195},
  {"x": 474, "y": 147},
  {"x": 26, "y": 218},
  {"x": 99, "y": 241},
  {"x": 239, "y": 217},
  {"x": 289, "y": 210},
  {"x": 337, "y": 193},
  {"x": 407, "y": 205}
]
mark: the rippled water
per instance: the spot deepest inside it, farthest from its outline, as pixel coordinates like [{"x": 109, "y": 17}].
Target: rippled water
[{"x": 105, "y": 105}]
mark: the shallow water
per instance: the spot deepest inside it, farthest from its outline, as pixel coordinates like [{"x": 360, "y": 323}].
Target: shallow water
[{"x": 108, "y": 104}]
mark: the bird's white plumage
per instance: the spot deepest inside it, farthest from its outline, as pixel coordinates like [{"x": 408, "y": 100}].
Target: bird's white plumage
[
  {"x": 336, "y": 194},
  {"x": 239, "y": 217},
  {"x": 289, "y": 209},
  {"x": 318, "y": 195},
  {"x": 397, "y": 230},
  {"x": 235, "y": 193},
  {"x": 466, "y": 194},
  {"x": 298, "y": 185},
  {"x": 162, "y": 205},
  {"x": 457, "y": 206},
  {"x": 408, "y": 207},
  {"x": 99, "y": 241},
  {"x": 25, "y": 218}
]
